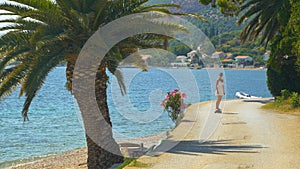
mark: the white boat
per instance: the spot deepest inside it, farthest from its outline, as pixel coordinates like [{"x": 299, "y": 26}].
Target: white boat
[{"x": 242, "y": 95}]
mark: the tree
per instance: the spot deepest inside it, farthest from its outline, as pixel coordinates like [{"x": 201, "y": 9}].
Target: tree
[
  {"x": 212, "y": 32},
  {"x": 283, "y": 65},
  {"x": 45, "y": 33},
  {"x": 178, "y": 48},
  {"x": 265, "y": 18},
  {"x": 272, "y": 21}
]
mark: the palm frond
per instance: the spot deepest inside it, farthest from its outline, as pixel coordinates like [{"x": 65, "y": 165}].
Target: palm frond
[
  {"x": 9, "y": 14},
  {"x": 36, "y": 76},
  {"x": 14, "y": 39},
  {"x": 99, "y": 8},
  {"x": 250, "y": 4},
  {"x": 263, "y": 16},
  {"x": 12, "y": 56},
  {"x": 191, "y": 15},
  {"x": 38, "y": 4},
  {"x": 120, "y": 79},
  {"x": 15, "y": 9},
  {"x": 150, "y": 7},
  {"x": 27, "y": 103},
  {"x": 12, "y": 80},
  {"x": 250, "y": 12}
]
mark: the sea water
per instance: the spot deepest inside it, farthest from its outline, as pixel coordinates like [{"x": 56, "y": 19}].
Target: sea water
[{"x": 55, "y": 124}]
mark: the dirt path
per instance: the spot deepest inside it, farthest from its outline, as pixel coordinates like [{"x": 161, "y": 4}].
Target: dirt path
[{"x": 243, "y": 137}]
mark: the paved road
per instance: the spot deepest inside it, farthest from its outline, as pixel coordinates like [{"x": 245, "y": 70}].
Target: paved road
[{"x": 242, "y": 137}]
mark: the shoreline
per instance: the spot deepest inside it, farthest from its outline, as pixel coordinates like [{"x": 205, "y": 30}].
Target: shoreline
[{"x": 75, "y": 158}]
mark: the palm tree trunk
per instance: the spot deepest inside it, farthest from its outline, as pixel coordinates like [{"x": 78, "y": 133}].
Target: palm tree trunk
[
  {"x": 101, "y": 136},
  {"x": 69, "y": 73}
]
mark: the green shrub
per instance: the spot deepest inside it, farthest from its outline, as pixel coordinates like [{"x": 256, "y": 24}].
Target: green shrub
[
  {"x": 285, "y": 94},
  {"x": 287, "y": 99},
  {"x": 295, "y": 100},
  {"x": 279, "y": 99}
]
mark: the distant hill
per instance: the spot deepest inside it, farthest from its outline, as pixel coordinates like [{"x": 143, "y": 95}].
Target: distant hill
[{"x": 217, "y": 24}]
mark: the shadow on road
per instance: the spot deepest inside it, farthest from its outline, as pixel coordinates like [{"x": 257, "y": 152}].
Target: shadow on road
[
  {"x": 231, "y": 113},
  {"x": 220, "y": 147},
  {"x": 187, "y": 121},
  {"x": 263, "y": 101}
]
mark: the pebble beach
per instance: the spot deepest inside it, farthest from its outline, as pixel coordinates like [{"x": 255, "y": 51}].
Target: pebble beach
[{"x": 76, "y": 159}]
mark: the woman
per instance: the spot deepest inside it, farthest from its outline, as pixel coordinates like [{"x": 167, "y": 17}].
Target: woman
[{"x": 220, "y": 92}]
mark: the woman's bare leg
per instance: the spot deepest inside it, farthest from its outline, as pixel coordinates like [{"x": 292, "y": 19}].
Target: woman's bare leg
[{"x": 218, "y": 102}]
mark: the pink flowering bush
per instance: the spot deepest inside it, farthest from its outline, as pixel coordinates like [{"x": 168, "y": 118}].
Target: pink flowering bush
[{"x": 173, "y": 103}]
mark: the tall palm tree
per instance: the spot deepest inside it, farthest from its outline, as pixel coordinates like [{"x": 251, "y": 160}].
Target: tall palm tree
[{"x": 44, "y": 33}]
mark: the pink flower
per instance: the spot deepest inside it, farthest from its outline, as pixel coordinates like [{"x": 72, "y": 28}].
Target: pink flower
[{"x": 183, "y": 95}]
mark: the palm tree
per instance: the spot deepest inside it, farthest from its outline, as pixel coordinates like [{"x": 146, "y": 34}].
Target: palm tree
[
  {"x": 270, "y": 20},
  {"x": 263, "y": 18},
  {"x": 44, "y": 33}
]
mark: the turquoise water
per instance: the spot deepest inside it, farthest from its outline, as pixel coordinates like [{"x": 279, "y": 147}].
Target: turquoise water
[{"x": 55, "y": 125}]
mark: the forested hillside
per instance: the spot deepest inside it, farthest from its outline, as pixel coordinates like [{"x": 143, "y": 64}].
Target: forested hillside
[
  {"x": 230, "y": 42},
  {"x": 217, "y": 22},
  {"x": 223, "y": 31}
]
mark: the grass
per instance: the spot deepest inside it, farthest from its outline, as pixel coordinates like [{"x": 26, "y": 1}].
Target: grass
[
  {"x": 135, "y": 163},
  {"x": 132, "y": 162},
  {"x": 126, "y": 162},
  {"x": 283, "y": 107},
  {"x": 287, "y": 103}
]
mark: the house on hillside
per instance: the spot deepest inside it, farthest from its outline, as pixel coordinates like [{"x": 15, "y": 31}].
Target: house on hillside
[
  {"x": 228, "y": 63},
  {"x": 218, "y": 55},
  {"x": 181, "y": 61},
  {"x": 243, "y": 59},
  {"x": 192, "y": 54},
  {"x": 229, "y": 55}
]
